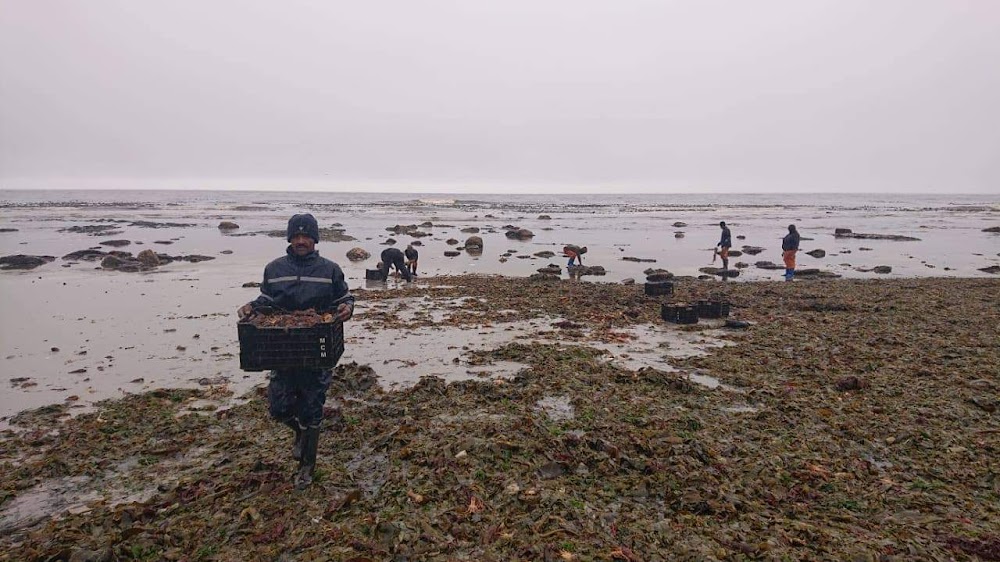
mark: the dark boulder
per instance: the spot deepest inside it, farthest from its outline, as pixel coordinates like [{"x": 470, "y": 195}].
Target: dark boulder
[
  {"x": 87, "y": 255},
  {"x": 116, "y": 243},
  {"x": 519, "y": 234},
  {"x": 768, "y": 265},
  {"x": 148, "y": 258},
  {"x": 358, "y": 254},
  {"x": 720, "y": 272},
  {"x": 21, "y": 261}
]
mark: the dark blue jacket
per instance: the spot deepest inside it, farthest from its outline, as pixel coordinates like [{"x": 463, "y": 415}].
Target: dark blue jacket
[
  {"x": 727, "y": 239},
  {"x": 298, "y": 283},
  {"x": 790, "y": 241}
]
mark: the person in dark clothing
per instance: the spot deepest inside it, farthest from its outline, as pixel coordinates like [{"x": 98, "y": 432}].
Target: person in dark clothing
[
  {"x": 411, "y": 258},
  {"x": 393, "y": 257},
  {"x": 724, "y": 244},
  {"x": 789, "y": 246},
  {"x": 301, "y": 280}
]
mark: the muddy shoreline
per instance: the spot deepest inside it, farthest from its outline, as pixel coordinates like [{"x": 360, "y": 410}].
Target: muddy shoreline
[{"x": 855, "y": 419}]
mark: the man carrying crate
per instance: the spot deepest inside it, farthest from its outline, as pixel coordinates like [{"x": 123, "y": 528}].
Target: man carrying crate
[{"x": 302, "y": 280}]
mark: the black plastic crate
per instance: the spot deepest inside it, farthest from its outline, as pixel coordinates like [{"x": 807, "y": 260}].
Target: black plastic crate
[
  {"x": 373, "y": 275},
  {"x": 315, "y": 347},
  {"x": 659, "y": 288},
  {"x": 680, "y": 313},
  {"x": 713, "y": 309}
]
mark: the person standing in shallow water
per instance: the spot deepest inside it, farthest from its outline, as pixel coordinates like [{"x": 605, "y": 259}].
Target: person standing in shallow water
[
  {"x": 789, "y": 246},
  {"x": 724, "y": 244},
  {"x": 302, "y": 280}
]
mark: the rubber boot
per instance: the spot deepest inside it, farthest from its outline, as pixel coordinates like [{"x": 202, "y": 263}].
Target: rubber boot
[
  {"x": 297, "y": 446},
  {"x": 307, "y": 466},
  {"x": 789, "y": 273}
]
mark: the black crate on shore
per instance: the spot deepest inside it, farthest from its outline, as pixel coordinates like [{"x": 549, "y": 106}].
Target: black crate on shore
[
  {"x": 315, "y": 347},
  {"x": 374, "y": 275},
  {"x": 679, "y": 313},
  {"x": 659, "y": 288},
  {"x": 713, "y": 309}
]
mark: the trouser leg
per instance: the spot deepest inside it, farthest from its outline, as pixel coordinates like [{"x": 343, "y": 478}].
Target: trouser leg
[
  {"x": 312, "y": 397},
  {"x": 789, "y": 258},
  {"x": 281, "y": 396}
]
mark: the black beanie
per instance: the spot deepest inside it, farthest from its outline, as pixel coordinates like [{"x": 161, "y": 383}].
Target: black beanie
[{"x": 303, "y": 224}]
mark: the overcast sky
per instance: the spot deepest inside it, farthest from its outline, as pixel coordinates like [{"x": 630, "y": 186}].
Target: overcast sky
[{"x": 502, "y": 95}]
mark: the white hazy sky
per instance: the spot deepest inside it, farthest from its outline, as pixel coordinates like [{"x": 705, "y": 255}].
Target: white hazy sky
[{"x": 502, "y": 95}]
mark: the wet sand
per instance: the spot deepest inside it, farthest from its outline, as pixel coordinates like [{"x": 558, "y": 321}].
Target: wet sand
[{"x": 852, "y": 420}]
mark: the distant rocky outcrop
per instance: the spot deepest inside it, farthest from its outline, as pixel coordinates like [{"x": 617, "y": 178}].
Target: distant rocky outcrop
[
  {"x": 551, "y": 269},
  {"x": 325, "y": 234},
  {"x": 473, "y": 242},
  {"x": 817, "y": 253},
  {"x": 125, "y": 262},
  {"x": 94, "y": 229},
  {"x": 519, "y": 234},
  {"x": 471, "y": 230},
  {"x": 752, "y": 250},
  {"x": 639, "y": 260},
  {"x": 720, "y": 272},
  {"x": 815, "y": 273},
  {"x": 580, "y": 270},
  {"x": 768, "y": 265},
  {"x": 848, "y": 233},
  {"x": 228, "y": 225},
  {"x": 22, "y": 261}
]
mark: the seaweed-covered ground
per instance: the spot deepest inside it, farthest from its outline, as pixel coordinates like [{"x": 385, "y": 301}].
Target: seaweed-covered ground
[{"x": 857, "y": 421}]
